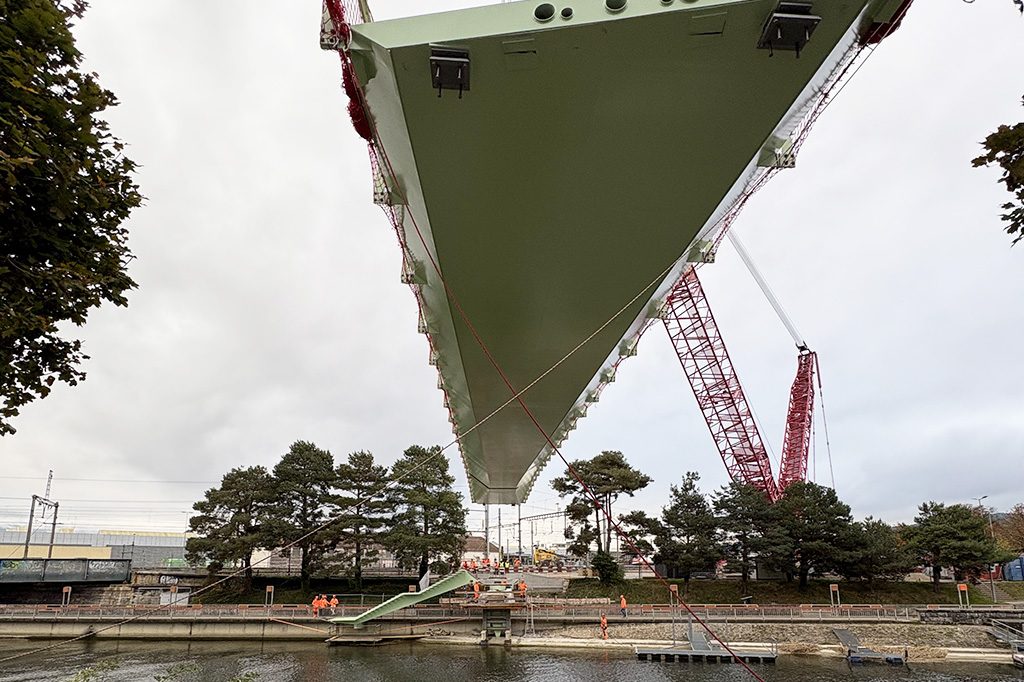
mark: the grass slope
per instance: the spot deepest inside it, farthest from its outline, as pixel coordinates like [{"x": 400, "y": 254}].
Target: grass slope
[
  {"x": 1013, "y": 588},
  {"x": 652, "y": 591}
]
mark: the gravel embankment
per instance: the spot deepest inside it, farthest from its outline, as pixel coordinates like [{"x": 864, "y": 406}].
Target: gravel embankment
[{"x": 791, "y": 636}]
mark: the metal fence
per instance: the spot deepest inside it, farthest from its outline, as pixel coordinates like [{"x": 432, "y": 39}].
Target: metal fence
[
  {"x": 645, "y": 613},
  {"x": 1012, "y": 636}
]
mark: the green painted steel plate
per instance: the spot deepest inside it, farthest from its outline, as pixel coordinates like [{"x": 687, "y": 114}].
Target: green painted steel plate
[{"x": 579, "y": 167}]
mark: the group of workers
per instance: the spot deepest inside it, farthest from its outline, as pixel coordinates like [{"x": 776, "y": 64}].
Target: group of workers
[
  {"x": 487, "y": 565},
  {"x": 518, "y": 589},
  {"x": 320, "y": 601}
]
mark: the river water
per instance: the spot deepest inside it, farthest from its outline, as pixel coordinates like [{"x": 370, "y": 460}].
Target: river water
[{"x": 422, "y": 662}]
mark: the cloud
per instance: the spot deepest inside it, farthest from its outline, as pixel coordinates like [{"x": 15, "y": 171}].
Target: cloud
[{"x": 269, "y": 307}]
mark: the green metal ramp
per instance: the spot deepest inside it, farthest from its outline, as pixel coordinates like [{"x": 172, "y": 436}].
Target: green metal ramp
[{"x": 452, "y": 582}]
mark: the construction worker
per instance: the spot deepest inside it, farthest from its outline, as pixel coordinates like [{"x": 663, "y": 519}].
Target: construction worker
[
  {"x": 316, "y": 606},
  {"x": 472, "y": 565},
  {"x": 604, "y": 625},
  {"x": 622, "y": 604},
  {"x": 476, "y": 591},
  {"x": 522, "y": 590},
  {"x": 334, "y": 603},
  {"x": 515, "y": 564}
]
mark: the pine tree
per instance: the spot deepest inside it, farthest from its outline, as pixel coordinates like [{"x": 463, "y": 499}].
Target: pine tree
[
  {"x": 231, "y": 519},
  {"x": 303, "y": 482},
  {"x": 361, "y": 514},
  {"x": 815, "y": 531},
  {"x": 952, "y": 537},
  {"x": 745, "y": 515},
  {"x": 429, "y": 527},
  {"x": 689, "y": 540},
  {"x": 608, "y": 475}
]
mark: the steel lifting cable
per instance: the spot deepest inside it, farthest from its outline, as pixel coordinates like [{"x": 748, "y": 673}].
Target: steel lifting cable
[
  {"x": 517, "y": 394},
  {"x": 517, "y": 397},
  {"x": 824, "y": 422},
  {"x": 422, "y": 625},
  {"x": 372, "y": 494},
  {"x": 831, "y": 90},
  {"x": 375, "y": 493},
  {"x": 163, "y": 607}
]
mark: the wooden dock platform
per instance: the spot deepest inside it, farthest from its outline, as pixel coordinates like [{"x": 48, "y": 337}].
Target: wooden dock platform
[
  {"x": 368, "y": 639},
  {"x": 857, "y": 654}
]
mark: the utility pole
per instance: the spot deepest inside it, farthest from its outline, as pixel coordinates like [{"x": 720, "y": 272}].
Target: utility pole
[
  {"x": 53, "y": 528},
  {"x": 28, "y": 533},
  {"x": 31, "y": 518},
  {"x": 487, "y": 531},
  {"x": 499, "y": 532},
  {"x": 519, "y": 526}
]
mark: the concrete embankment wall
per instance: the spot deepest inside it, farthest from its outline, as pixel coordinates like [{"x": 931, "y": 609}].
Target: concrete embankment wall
[
  {"x": 244, "y": 628},
  {"x": 151, "y": 628}
]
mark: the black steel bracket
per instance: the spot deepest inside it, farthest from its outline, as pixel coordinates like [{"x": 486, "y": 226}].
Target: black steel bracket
[
  {"x": 789, "y": 27},
  {"x": 449, "y": 70}
]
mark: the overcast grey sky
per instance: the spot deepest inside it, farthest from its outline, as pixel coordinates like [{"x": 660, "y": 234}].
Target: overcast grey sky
[{"x": 269, "y": 306}]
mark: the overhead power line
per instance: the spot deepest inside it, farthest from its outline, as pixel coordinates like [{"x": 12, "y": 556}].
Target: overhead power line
[{"x": 114, "y": 480}]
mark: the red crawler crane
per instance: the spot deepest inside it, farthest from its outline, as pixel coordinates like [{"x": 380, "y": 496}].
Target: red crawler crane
[{"x": 694, "y": 334}]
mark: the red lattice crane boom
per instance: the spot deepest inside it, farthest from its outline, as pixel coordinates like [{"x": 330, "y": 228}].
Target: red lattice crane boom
[
  {"x": 694, "y": 334},
  {"x": 691, "y": 327},
  {"x": 799, "y": 421}
]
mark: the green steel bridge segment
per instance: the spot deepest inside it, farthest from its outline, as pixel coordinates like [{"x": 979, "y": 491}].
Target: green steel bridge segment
[
  {"x": 401, "y": 601},
  {"x": 555, "y": 172}
]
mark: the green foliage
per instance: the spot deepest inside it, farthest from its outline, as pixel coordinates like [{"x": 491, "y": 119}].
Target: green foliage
[
  {"x": 176, "y": 671},
  {"x": 608, "y": 569},
  {"x": 745, "y": 514},
  {"x": 641, "y": 530},
  {"x": 689, "y": 537},
  {"x": 1009, "y": 530},
  {"x": 608, "y": 475},
  {"x": 952, "y": 537},
  {"x": 881, "y": 553},
  {"x": 815, "y": 532},
  {"x": 429, "y": 524},
  {"x": 1005, "y": 148},
  {"x": 65, "y": 191},
  {"x": 360, "y": 516},
  {"x": 95, "y": 672},
  {"x": 1014, "y": 589},
  {"x": 231, "y": 522},
  {"x": 304, "y": 479}
]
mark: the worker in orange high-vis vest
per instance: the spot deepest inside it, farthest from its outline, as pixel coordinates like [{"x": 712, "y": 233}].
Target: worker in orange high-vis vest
[
  {"x": 522, "y": 589},
  {"x": 515, "y": 564},
  {"x": 476, "y": 591},
  {"x": 604, "y": 626},
  {"x": 334, "y": 603},
  {"x": 622, "y": 604},
  {"x": 316, "y": 606}
]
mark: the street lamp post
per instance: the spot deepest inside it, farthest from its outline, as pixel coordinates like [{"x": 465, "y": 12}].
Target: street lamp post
[{"x": 992, "y": 532}]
